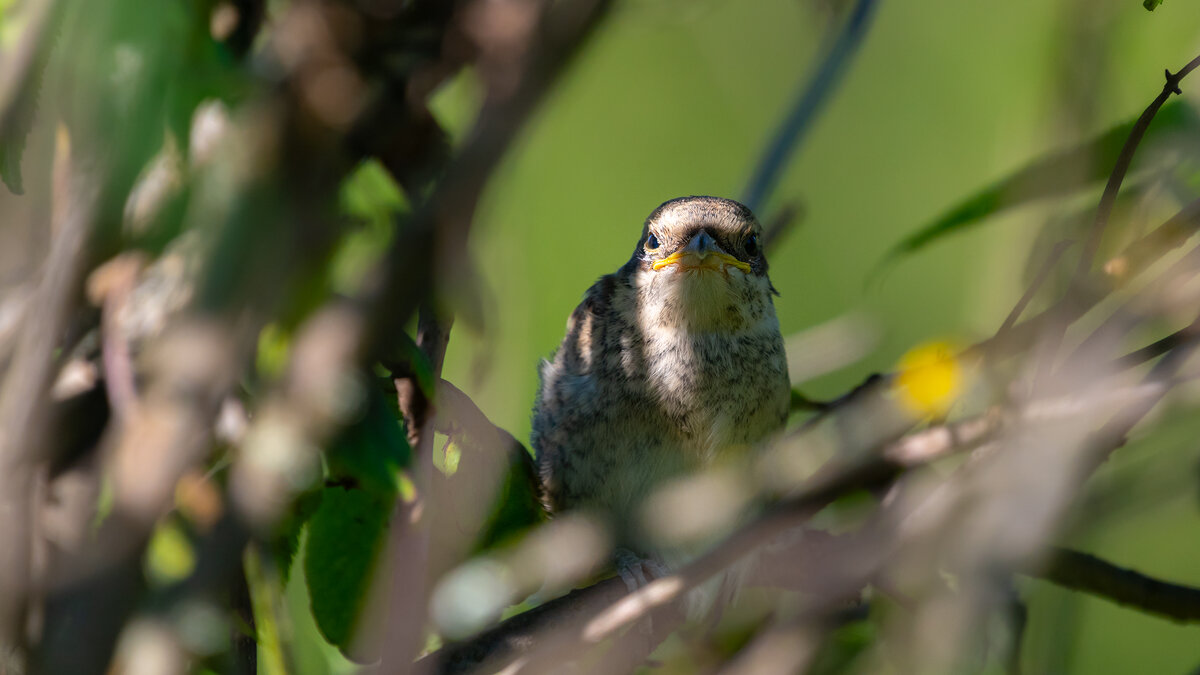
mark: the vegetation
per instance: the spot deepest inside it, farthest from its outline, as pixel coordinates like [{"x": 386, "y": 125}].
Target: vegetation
[{"x": 276, "y": 277}]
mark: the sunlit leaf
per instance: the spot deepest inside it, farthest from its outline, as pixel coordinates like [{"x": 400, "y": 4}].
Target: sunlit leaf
[{"x": 1057, "y": 175}]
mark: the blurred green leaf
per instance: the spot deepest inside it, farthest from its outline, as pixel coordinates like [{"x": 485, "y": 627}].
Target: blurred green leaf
[
  {"x": 373, "y": 200},
  {"x": 286, "y": 542},
  {"x": 841, "y": 650},
  {"x": 17, "y": 121},
  {"x": 12, "y": 142},
  {"x": 346, "y": 538},
  {"x": 348, "y": 529},
  {"x": 265, "y": 593},
  {"x": 370, "y": 453},
  {"x": 1151, "y": 4},
  {"x": 274, "y": 345},
  {"x": 517, "y": 506},
  {"x": 170, "y": 556},
  {"x": 1056, "y": 175},
  {"x": 370, "y": 193}
]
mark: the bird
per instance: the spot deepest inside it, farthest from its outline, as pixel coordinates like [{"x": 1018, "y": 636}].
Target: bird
[{"x": 672, "y": 364}]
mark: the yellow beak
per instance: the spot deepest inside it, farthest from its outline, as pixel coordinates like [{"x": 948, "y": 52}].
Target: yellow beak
[{"x": 712, "y": 261}]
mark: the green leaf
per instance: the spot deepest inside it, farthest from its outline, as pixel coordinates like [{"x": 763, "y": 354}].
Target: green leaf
[
  {"x": 286, "y": 542},
  {"x": 517, "y": 506},
  {"x": 371, "y": 452},
  {"x": 1151, "y": 4},
  {"x": 170, "y": 557},
  {"x": 1057, "y": 175},
  {"x": 346, "y": 538},
  {"x": 348, "y": 530},
  {"x": 17, "y": 121}
]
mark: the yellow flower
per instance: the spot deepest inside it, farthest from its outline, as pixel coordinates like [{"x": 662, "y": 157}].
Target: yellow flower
[{"x": 930, "y": 379}]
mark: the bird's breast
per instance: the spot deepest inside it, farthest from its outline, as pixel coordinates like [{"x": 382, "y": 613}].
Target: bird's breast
[{"x": 718, "y": 390}]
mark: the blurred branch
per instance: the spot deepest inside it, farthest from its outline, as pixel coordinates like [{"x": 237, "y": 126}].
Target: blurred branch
[
  {"x": 800, "y": 118},
  {"x": 567, "y": 627},
  {"x": 1044, "y": 273},
  {"x": 438, "y": 235},
  {"x": 410, "y": 524},
  {"x": 1154, "y": 244},
  {"x": 24, "y": 416},
  {"x": 589, "y": 616},
  {"x": 1090, "y": 574},
  {"x": 781, "y": 224},
  {"x": 1156, "y": 349}
]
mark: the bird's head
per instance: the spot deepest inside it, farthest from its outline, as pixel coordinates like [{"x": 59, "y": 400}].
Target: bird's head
[{"x": 700, "y": 264}]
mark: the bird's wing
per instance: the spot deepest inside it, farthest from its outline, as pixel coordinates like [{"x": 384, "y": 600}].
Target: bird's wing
[{"x": 586, "y": 328}]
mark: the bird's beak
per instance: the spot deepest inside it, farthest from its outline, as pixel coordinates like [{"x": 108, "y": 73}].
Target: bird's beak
[{"x": 702, "y": 252}]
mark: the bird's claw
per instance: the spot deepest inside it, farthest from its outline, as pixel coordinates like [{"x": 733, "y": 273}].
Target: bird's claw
[{"x": 636, "y": 571}]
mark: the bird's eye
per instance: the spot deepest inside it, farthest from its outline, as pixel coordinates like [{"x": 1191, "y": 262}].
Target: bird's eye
[
  {"x": 651, "y": 242},
  {"x": 752, "y": 245}
]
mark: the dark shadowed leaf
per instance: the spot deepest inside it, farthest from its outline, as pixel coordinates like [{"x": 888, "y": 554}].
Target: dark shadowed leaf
[
  {"x": 346, "y": 538},
  {"x": 517, "y": 506},
  {"x": 1057, "y": 175},
  {"x": 1151, "y": 4},
  {"x": 286, "y": 542},
  {"x": 370, "y": 453}
]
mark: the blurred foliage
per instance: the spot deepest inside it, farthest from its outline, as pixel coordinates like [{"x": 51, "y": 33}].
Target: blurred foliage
[
  {"x": 1061, "y": 174},
  {"x": 673, "y": 98},
  {"x": 346, "y": 536},
  {"x": 347, "y": 531}
]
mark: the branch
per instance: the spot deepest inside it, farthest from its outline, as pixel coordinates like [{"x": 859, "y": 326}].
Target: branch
[
  {"x": 589, "y": 616},
  {"x": 1044, "y": 273},
  {"x": 1154, "y": 244},
  {"x": 23, "y": 415},
  {"x": 780, "y": 225},
  {"x": 408, "y": 536},
  {"x": 1089, "y": 574},
  {"x": 799, "y": 120}
]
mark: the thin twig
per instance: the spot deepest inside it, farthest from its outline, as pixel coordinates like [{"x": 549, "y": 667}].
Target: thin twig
[
  {"x": 1155, "y": 349},
  {"x": 799, "y": 120},
  {"x": 1044, "y": 273},
  {"x": 780, "y": 225},
  {"x": 410, "y": 528},
  {"x": 1154, "y": 244}
]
